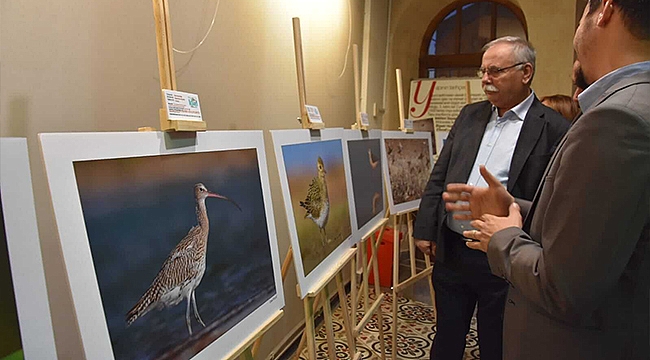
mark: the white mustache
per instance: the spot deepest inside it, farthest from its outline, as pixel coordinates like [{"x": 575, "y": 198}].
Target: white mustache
[{"x": 490, "y": 88}]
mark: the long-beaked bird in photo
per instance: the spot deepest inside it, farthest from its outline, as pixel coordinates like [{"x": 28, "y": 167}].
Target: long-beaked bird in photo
[{"x": 182, "y": 271}]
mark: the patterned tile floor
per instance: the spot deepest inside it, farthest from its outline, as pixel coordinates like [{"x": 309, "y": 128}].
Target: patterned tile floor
[{"x": 417, "y": 328}]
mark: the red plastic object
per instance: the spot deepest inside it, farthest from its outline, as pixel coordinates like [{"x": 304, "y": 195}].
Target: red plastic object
[{"x": 384, "y": 258}]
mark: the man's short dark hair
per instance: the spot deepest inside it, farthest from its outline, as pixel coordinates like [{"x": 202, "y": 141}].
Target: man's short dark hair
[{"x": 636, "y": 15}]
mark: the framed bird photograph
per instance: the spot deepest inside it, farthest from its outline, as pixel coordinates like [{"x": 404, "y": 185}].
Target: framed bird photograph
[
  {"x": 157, "y": 235},
  {"x": 25, "y": 319},
  {"x": 314, "y": 180},
  {"x": 408, "y": 160},
  {"x": 367, "y": 180}
]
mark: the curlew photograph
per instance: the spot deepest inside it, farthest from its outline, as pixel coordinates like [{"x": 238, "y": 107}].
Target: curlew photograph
[
  {"x": 170, "y": 238},
  {"x": 408, "y": 166},
  {"x": 184, "y": 258},
  {"x": 319, "y": 199},
  {"x": 367, "y": 181}
]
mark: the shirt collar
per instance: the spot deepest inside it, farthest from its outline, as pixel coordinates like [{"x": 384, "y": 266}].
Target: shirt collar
[
  {"x": 590, "y": 95},
  {"x": 519, "y": 111}
]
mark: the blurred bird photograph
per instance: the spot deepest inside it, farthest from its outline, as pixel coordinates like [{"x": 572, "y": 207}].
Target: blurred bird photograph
[
  {"x": 409, "y": 167},
  {"x": 318, "y": 192},
  {"x": 171, "y": 238},
  {"x": 367, "y": 180}
]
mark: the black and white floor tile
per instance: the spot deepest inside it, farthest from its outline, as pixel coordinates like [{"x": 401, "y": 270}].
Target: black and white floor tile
[{"x": 417, "y": 328}]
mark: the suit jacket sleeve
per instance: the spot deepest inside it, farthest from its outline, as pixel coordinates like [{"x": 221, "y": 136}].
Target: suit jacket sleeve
[
  {"x": 595, "y": 206},
  {"x": 427, "y": 221}
]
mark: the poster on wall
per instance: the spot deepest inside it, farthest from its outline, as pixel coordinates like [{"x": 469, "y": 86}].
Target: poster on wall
[
  {"x": 25, "y": 321},
  {"x": 157, "y": 238},
  {"x": 408, "y": 160},
  {"x": 367, "y": 178},
  {"x": 439, "y": 101},
  {"x": 315, "y": 179}
]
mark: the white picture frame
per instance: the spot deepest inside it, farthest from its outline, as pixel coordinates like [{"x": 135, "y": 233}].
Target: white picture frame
[
  {"x": 63, "y": 150},
  {"x": 352, "y": 136},
  {"x": 409, "y": 202},
  {"x": 24, "y": 250},
  {"x": 309, "y": 281}
]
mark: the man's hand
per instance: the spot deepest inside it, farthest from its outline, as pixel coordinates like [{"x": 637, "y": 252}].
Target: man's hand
[
  {"x": 426, "y": 246},
  {"x": 494, "y": 199},
  {"x": 490, "y": 224}
]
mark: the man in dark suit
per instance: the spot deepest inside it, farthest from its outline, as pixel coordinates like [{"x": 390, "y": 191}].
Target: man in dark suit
[
  {"x": 579, "y": 268},
  {"x": 514, "y": 135}
]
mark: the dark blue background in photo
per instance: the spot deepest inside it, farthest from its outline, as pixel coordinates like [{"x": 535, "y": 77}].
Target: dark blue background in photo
[
  {"x": 366, "y": 181},
  {"x": 134, "y": 217}
]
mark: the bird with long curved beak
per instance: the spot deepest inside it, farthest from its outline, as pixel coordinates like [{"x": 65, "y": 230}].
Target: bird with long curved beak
[{"x": 182, "y": 271}]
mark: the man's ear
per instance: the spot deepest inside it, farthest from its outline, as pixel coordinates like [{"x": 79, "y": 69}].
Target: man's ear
[
  {"x": 528, "y": 73},
  {"x": 606, "y": 13}
]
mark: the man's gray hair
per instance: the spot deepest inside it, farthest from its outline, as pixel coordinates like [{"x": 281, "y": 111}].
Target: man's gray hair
[{"x": 522, "y": 50}]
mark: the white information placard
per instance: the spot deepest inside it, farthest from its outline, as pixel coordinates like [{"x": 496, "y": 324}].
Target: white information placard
[
  {"x": 314, "y": 114},
  {"x": 182, "y": 106}
]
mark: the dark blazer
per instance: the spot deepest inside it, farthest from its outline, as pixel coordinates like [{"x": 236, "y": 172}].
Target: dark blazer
[
  {"x": 542, "y": 129},
  {"x": 580, "y": 282}
]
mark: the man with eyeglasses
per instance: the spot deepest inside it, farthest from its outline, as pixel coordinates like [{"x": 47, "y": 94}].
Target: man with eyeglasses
[
  {"x": 579, "y": 265},
  {"x": 514, "y": 135}
]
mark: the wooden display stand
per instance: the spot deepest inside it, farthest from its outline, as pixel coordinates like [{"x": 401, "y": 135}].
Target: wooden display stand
[
  {"x": 399, "y": 220},
  {"x": 374, "y": 236},
  {"x": 310, "y": 301},
  {"x": 375, "y": 239},
  {"x": 300, "y": 70},
  {"x": 166, "y": 69},
  {"x": 167, "y": 74},
  {"x": 400, "y": 103}
]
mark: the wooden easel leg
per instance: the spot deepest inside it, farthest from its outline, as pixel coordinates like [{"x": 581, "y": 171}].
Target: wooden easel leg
[
  {"x": 247, "y": 355},
  {"x": 364, "y": 263},
  {"x": 375, "y": 270},
  {"x": 427, "y": 260},
  {"x": 349, "y": 327},
  {"x": 310, "y": 334},
  {"x": 329, "y": 328},
  {"x": 353, "y": 289},
  {"x": 395, "y": 283},
  {"x": 409, "y": 222}
]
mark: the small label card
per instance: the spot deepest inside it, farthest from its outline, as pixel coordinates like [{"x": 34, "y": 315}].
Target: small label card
[
  {"x": 182, "y": 105},
  {"x": 364, "y": 119},
  {"x": 408, "y": 124},
  {"x": 313, "y": 114}
]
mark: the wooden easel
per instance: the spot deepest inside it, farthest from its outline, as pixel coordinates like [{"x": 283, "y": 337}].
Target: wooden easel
[
  {"x": 399, "y": 219},
  {"x": 167, "y": 70},
  {"x": 310, "y": 300},
  {"x": 375, "y": 239},
  {"x": 167, "y": 74}
]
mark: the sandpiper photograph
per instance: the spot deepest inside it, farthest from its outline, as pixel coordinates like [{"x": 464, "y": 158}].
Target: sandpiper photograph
[
  {"x": 171, "y": 239},
  {"x": 367, "y": 181},
  {"x": 317, "y": 186}
]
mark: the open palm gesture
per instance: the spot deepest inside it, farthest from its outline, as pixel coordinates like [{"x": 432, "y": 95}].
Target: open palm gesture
[{"x": 464, "y": 198}]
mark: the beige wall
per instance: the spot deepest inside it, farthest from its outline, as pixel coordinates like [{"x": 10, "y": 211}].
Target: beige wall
[
  {"x": 73, "y": 65},
  {"x": 550, "y": 29}
]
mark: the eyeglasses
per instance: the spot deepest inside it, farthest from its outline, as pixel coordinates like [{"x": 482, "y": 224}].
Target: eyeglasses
[{"x": 495, "y": 71}]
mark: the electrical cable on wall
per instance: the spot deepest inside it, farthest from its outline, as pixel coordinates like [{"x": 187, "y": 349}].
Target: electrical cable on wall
[
  {"x": 347, "y": 51},
  {"x": 216, "y": 9}
]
